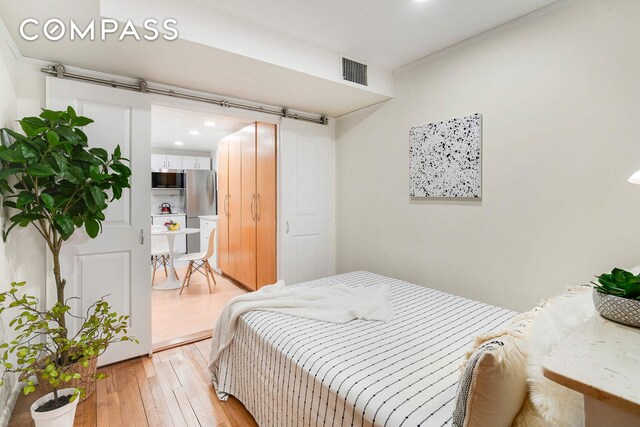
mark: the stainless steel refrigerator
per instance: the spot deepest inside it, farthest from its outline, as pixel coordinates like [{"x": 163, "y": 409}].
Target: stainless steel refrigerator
[{"x": 201, "y": 199}]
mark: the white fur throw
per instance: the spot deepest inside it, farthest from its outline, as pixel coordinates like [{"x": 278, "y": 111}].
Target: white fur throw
[{"x": 558, "y": 405}]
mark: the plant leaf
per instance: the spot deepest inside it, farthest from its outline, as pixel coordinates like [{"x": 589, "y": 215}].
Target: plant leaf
[
  {"x": 47, "y": 200},
  {"x": 65, "y": 225},
  {"x": 41, "y": 170},
  {"x": 93, "y": 227}
]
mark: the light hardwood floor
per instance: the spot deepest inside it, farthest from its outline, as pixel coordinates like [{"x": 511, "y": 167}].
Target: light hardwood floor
[
  {"x": 170, "y": 389},
  {"x": 192, "y": 314}
]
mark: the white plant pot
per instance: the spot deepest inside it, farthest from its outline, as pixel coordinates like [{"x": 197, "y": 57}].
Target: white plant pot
[{"x": 61, "y": 417}]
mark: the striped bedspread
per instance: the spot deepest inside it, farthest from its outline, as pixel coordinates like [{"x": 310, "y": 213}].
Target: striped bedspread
[{"x": 296, "y": 372}]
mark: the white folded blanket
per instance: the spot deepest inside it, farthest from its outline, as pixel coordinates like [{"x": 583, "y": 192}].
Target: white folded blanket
[{"x": 336, "y": 304}]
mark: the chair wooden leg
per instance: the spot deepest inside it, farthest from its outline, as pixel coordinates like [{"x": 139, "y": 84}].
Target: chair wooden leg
[
  {"x": 155, "y": 267},
  {"x": 210, "y": 270},
  {"x": 164, "y": 263},
  {"x": 190, "y": 273},
  {"x": 175, "y": 272},
  {"x": 206, "y": 273},
  {"x": 187, "y": 275}
]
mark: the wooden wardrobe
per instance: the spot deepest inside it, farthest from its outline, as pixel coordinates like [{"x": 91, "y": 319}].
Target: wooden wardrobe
[{"x": 247, "y": 203}]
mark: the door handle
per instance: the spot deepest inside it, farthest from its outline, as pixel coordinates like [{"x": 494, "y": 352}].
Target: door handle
[
  {"x": 258, "y": 200},
  {"x": 225, "y": 205},
  {"x": 287, "y": 224},
  {"x": 142, "y": 236},
  {"x": 253, "y": 200}
]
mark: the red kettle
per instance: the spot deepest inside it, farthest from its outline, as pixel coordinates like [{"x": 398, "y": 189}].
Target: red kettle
[{"x": 165, "y": 208}]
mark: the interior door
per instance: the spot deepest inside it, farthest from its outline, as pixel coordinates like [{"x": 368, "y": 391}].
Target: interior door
[
  {"x": 234, "y": 207},
  {"x": 223, "y": 213},
  {"x": 266, "y": 204},
  {"x": 249, "y": 206},
  {"x": 305, "y": 168},
  {"x": 116, "y": 263}
]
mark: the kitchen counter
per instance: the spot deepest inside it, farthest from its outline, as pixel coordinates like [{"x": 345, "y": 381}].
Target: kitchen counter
[{"x": 209, "y": 217}]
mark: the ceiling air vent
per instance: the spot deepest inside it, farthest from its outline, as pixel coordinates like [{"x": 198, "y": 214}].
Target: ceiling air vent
[{"x": 353, "y": 71}]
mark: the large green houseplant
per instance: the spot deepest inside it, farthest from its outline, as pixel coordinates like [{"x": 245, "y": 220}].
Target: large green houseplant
[
  {"x": 53, "y": 181},
  {"x": 57, "y": 183}
]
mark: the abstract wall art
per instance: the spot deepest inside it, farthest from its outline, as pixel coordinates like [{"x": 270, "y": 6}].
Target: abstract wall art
[{"x": 445, "y": 158}]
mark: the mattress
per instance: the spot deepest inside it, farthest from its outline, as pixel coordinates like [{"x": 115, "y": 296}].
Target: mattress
[{"x": 291, "y": 371}]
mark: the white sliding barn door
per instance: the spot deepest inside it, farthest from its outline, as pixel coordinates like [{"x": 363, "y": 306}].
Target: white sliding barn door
[
  {"x": 305, "y": 200},
  {"x": 116, "y": 263}
]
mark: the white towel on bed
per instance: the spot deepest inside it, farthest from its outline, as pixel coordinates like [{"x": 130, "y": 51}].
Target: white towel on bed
[{"x": 336, "y": 304}]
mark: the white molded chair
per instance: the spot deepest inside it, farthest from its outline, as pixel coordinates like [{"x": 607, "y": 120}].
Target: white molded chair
[
  {"x": 159, "y": 253},
  {"x": 203, "y": 266}
]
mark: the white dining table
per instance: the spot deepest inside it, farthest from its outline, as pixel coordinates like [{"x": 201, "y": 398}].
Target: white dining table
[{"x": 171, "y": 283}]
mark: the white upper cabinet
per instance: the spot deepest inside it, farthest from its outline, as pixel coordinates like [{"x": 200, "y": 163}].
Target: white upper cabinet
[
  {"x": 163, "y": 161},
  {"x": 190, "y": 162},
  {"x": 158, "y": 161},
  {"x": 196, "y": 163},
  {"x": 204, "y": 163},
  {"x": 174, "y": 162}
]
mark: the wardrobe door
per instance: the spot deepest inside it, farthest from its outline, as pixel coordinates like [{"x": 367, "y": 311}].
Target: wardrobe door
[
  {"x": 223, "y": 194},
  {"x": 266, "y": 179},
  {"x": 249, "y": 206},
  {"x": 234, "y": 206}
]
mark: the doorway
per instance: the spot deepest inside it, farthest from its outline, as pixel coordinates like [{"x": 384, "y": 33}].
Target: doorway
[{"x": 184, "y": 187}]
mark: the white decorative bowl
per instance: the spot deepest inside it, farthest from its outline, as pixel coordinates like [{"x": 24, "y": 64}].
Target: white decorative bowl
[{"x": 620, "y": 310}]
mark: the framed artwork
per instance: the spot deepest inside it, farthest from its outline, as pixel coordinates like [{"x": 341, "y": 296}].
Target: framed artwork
[{"x": 445, "y": 158}]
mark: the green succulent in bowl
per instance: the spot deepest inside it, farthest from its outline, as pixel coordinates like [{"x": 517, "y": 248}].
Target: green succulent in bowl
[{"x": 619, "y": 283}]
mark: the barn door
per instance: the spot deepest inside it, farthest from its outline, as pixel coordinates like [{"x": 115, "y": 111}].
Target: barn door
[
  {"x": 116, "y": 263},
  {"x": 305, "y": 165}
]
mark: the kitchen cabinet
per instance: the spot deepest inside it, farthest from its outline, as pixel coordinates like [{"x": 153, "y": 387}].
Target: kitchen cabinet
[
  {"x": 247, "y": 200},
  {"x": 207, "y": 225},
  {"x": 163, "y": 161},
  {"x": 158, "y": 161},
  {"x": 180, "y": 245},
  {"x": 223, "y": 195},
  {"x": 196, "y": 163},
  {"x": 230, "y": 206}
]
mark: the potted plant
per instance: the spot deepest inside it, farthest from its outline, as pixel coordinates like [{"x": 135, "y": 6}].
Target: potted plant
[
  {"x": 40, "y": 347},
  {"x": 616, "y": 296},
  {"x": 54, "y": 182}
]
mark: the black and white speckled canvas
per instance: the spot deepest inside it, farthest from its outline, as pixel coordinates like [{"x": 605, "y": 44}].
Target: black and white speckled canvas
[{"x": 444, "y": 158}]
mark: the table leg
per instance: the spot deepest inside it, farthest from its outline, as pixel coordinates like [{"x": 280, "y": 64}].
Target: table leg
[
  {"x": 172, "y": 268},
  {"x": 170, "y": 283},
  {"x": 598, "y": 413}
]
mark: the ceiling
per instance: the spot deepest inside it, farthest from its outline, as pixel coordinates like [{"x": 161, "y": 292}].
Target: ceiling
[
  {"x": 171, "y": 124},
  {"x": 391, "y": 33},
  {"x": 181, "y": 63},
  {"x": 284, "y": 53}
]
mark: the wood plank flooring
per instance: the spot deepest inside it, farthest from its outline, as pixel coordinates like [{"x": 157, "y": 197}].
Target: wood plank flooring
[
  {"x": 192, "y": 314},
  {"x": 170, "y": 389}
]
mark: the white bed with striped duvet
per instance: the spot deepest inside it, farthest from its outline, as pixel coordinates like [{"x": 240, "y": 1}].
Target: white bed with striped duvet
[{"x": 290, "y": 371}]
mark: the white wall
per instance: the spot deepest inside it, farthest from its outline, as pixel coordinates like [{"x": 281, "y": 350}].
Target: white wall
[
  {"x": 17, "y": 96},
  {"x": 7, "y": 112},
  {"x": 559, "y": 98}
]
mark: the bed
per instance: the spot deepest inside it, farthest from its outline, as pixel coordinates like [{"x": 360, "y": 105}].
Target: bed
[{"x": 290, "y": 371}]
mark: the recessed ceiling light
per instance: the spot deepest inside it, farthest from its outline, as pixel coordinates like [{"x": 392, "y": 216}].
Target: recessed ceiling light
[
  {"x": 210, "y": 124},
  {"x": 178, "y": 143},
  {"x": 194, "y": 132}
]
